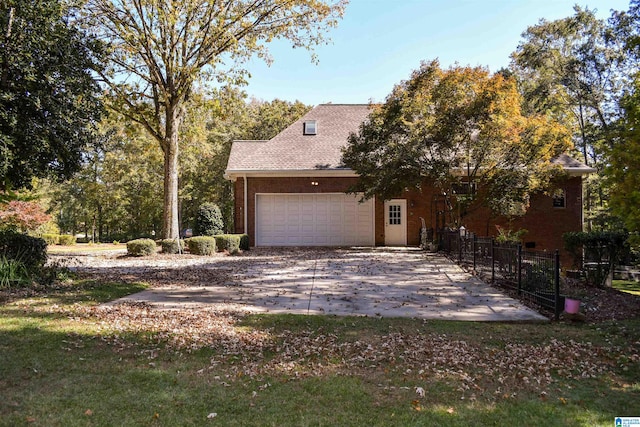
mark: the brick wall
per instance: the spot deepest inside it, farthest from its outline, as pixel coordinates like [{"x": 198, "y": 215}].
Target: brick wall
[{"x": 545, "y": 223}]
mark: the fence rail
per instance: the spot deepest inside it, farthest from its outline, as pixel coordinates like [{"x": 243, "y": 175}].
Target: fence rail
[{"x": 533, "y": 274}]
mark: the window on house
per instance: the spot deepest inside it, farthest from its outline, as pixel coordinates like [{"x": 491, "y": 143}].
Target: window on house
[
  {"x": 559, "y": 198},
  {"x": 464, "y": 188},
  {"x": 310, "y": 127}
]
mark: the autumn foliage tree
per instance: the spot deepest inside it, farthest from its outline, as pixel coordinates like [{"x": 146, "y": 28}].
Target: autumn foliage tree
[
  {"x": 455, "y": 126},
  {"x": 162, "y": 49},
  {"x": 22, "y": 216}
]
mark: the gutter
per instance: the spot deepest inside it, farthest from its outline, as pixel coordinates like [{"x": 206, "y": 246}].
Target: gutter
[{"x": 245, "y": 215}]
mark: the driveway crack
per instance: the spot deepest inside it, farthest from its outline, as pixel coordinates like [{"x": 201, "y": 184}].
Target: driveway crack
[{"x": 313, "y": 281}]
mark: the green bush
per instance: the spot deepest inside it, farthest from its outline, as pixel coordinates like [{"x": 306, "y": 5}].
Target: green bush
[
  {"x": 30, "y": 251},
  {"x": 228, "y": 242},
  {"x": 141, "y": 247},
  {"x": 601, "y": 251},
  {"x": 51, "y": 239},
  {"x": 13, "y": 272},
  {"x": 208, "y": 220},
  {"x": 172, "y": 246},
  {"x": 201, "y": 245},
  {"x": 66, "y": 240},
  {"x": 244, "y": 242}
]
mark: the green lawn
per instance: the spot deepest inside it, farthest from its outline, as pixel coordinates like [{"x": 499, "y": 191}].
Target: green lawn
[
  {"x": 66, "y": 362},
  {"x": 627, "y": 286}
]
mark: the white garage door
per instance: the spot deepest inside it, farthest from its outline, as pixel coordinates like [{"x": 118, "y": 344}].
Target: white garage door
[{"x": 313, "y": 220}]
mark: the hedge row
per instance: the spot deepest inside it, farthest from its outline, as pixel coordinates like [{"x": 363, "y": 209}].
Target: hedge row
[
  {"x": 59, "y": 239},
  {"x": 199, "y": 245}
]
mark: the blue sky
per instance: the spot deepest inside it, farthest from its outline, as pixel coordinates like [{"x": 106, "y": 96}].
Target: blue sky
[{"x": 379, "y": 42}]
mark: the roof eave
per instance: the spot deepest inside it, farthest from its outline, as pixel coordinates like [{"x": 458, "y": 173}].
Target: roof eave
[
  {"x": 579, "y": 171},
  {"x": 233, "y": 174}
]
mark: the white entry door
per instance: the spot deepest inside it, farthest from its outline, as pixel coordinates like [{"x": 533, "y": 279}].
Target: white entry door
[{"x": 395, "y": 222}]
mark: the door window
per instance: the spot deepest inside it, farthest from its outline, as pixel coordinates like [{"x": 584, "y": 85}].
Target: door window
[{"x": 395, "y": 215}]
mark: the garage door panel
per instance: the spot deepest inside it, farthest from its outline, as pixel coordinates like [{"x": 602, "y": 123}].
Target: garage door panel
[{"x": 313, "y": 220}]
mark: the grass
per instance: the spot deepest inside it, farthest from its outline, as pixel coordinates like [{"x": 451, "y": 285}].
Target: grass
[
  {"x": 627, "y": 286},
  {"x": 62, "y": 364}
]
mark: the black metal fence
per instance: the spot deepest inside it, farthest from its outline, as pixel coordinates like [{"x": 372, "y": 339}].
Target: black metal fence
[{"x": 534, "y": 274}]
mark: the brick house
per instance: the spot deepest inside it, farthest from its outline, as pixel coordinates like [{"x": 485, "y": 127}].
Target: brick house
[{"x": 291, "y": 191}]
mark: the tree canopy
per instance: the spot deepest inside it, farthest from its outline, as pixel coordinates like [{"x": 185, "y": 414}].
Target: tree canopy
[
  {"x": 117, "y": 195},
  {"x": 454, "y": 126},
  {"x": 49, "y": 100},
  {"x": 160, "y": 50}
]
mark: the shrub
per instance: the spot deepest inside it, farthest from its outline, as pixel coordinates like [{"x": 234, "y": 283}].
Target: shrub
[
  {"x": 506, "y": 235},
  {"x": 228, "y": 242},
  {"x": 244, "y": 242},
  {"x": 202, "y": 245},
  {"x": 30, "y": 251},
  {"x": 601, "y": 250},
  {"x": 141, "y": 247},
  {"x": 51, "y": 239},
  {"x": 208, "y": 220},
  {"x": 12, "y": 272},
  {"x": 67, "y": 240},
  {"x": 172, "y": 246}
]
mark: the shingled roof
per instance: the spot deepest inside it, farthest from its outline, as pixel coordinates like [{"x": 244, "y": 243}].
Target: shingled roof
[{"x": 290, "y": 150}]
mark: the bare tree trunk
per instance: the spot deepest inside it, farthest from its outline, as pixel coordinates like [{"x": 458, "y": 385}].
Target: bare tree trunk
[
  {"x": 170, "y": 219},
  {"x": 171, "y": 149}
]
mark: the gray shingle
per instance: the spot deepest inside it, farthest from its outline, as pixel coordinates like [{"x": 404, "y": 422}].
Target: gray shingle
[{"x": 291, "y": 150}]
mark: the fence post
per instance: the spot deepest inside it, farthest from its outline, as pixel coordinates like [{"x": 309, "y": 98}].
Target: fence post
[
  {"x": 519, "y": 267},
  {"x": 459, "y": 249},
  {"x": 556, "y": 280},
  {"x": 473, "y": 248},
  {"x": 493, "y": 262}
]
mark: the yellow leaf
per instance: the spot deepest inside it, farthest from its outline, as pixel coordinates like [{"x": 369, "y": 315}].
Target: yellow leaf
[{"x": 450, "y": 410}]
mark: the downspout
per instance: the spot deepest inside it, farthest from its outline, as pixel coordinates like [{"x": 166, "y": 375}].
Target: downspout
[{"x": 246, "y": 231}]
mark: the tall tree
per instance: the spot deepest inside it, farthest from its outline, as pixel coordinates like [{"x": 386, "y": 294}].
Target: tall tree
[
  {"x": 161, "y": 48},
  {"x": 226, "y": 116},
  {"x": 48, "y": 97},
  {"x": 623, "y": 170},
  {"x": 454, "y": 127},
  {"x": 571, "y": 67},
  {"x": 622, "y": 173},
  {"x": 576, "y": 69}
]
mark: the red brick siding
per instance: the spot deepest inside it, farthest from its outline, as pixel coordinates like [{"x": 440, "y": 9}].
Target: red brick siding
[{"x": 545, "y": 223}]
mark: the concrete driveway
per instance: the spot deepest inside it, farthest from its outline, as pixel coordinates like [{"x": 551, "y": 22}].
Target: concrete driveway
[{"x": 386, "y": 282}]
